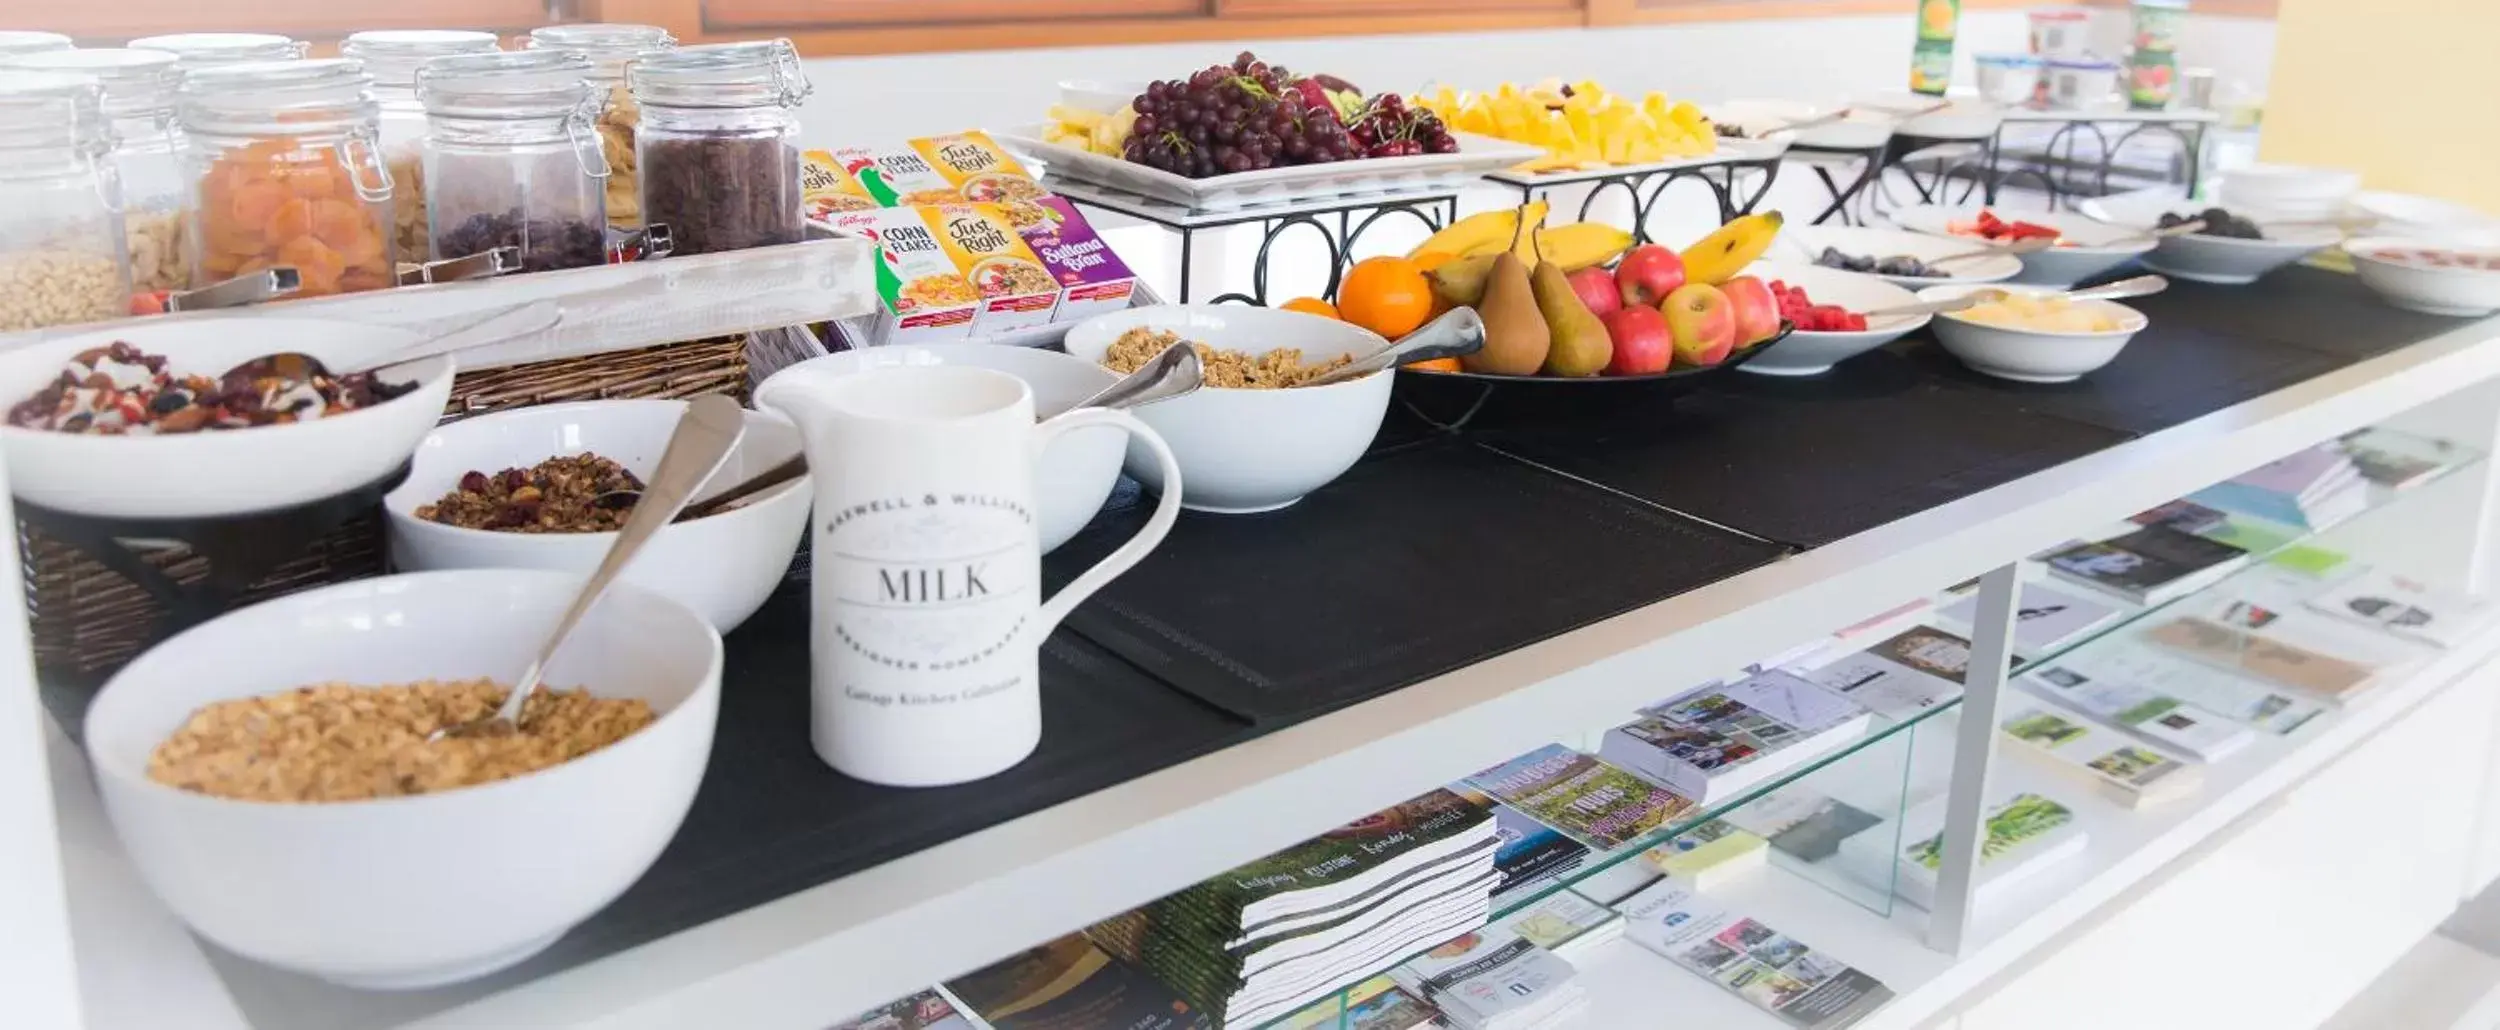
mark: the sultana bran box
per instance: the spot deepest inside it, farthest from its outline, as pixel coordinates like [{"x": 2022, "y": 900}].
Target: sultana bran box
[
  {"x": 1092, "y": 278},
  {"x": 1016, "y": 292},
  {"x": 925, "y": 297}
]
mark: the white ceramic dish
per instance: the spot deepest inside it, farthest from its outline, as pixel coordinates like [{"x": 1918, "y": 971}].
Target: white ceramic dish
[
  {"x": 2275, "y": 190},
  {"x": 1869, "y": 241},
  {"x": 1861, "y": 130},
  {"x": 723, "y": 566},
  {"x": 2210, "y": 259},
  {"x": 1812, "y": 353},
  {"x": 416, "y": 891},
  {"x": 1252, "y": 450},
  {"x": 1101, "y": 97},
  {"x": 1965, "y": 118},
  {"x": 2463, "y": 292},
  {"x": 1476, "y": 155},
  {"x": 1077, "y": 473},
  {"x": 1729, "y": 151},
  {"x": 2417, "y": 217},
  {"x": 225, "y": 472},
  {"x": 2031, "y": 356},
  {"x": 2096, "y": 247}
]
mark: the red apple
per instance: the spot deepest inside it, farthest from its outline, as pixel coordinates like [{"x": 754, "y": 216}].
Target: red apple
[
  {"x": 1642, "y": 344},
  {"x": 1703, "y": 324},
  {"x": 1596, "y": 287},
  {"x": 1757, "y": 315},
  {"x": 1648, "y": 274}
]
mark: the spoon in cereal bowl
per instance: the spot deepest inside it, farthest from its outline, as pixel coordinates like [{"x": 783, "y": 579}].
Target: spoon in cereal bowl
[
  {"x": 705, "y": 435},
  {"x": 1457, "y": 333},
  {"x": 295, "y": 372}
]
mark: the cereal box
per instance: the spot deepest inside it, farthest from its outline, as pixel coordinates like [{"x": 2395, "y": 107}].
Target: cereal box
[
  {"x": 827, "y": 189},
  {"x": 983, "y": 173},
  {"x": 1092, "y": 278},
  {"x": 926, "y": 298},
  {"x": 896, "y": 176},
  {"x": 1016, "y": 291}
]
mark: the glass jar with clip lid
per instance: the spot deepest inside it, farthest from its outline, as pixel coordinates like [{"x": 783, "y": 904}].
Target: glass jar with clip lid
[
  {"x": 286, "y": 166},
  {"x": 718, "y": 145},
  {"x": 610, "y": 47},
  {"x": 148, "y": 150},
  {"x": 513, "y": 158},
  {"x": 392, "y": 57},
  {"x": 61, "y": 247},
  {"x": 203, "y": 49}
]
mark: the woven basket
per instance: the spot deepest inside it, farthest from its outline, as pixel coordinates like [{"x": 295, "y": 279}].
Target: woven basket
[{"x": 87, "y": 620}]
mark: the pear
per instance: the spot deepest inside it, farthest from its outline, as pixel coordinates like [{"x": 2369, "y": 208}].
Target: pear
[
  {"x": 1580, "y": 346},
  {"x": 1515, "y": 335}
]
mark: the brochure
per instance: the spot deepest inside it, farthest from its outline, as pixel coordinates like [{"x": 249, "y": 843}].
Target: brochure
[
  {"x": 927, "y": 1010},
  {"x": 2398, "y": 461},
  {"x": 2273, "y": 661},
  {"x": 2183, "y": 515},
  {"x": 1915, "y": 670},
  {"x": 1715, "y": 742},
  {"x": 1710, "y": 855},
  {"x": 2404, "y": 607},
  {"x": 2045, "y": 618},
  {"x": 1068, "y": 984},
  {"x": 2156, "y": 669},
  {"x": 1565, "y": 923},
  {"x": 1528, "y": 851},
  {"x": 1490, "y": 977},
  {"x": 1801, "y": 823},
  {"x": 2313, "y": 489},
  {"x": 1599, "y": 803},
  {"x": 2149, "y": 566},
  {"x": 2022, "y": 835},
  {"x": 1777, "y": 973},
  {"x": 2128, "y": 772},
  {"x": 2154, "y": 716}
]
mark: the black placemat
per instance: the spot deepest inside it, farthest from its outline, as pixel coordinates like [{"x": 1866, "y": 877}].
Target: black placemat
[
  {"x": 1811, "y": 460},
  {"x": 2308, "y": 307},
  {"x": 1419, "y": 561},
  {"x": 2168, "y": 374}
]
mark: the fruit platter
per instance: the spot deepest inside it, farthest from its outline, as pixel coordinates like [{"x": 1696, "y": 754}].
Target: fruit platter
[
  {"x": 1248, "y": 132},
  {"x": 1588, "y": 132}
]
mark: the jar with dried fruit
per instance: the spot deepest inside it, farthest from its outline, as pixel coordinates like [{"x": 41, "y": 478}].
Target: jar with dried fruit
[
  {"x": 61, "y": 257},
  {"x": 147, "y": 153},
  {"x": 202, "y": 49},
  {"x": 718, "y": 146},
  {"x": 610, "y": 47},
  {"x": 287, "y": 171},
  {"x": 392, "y": 57},
  {"x": 513, "y": 160}
]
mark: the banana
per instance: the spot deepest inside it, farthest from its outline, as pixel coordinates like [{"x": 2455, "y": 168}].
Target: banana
[
  {"x": 1532, "y": 218},
  {"x": 1460, "y": 283},
  {"x": 1723, "y": 255},
  {"x": 1583, "y": 245},
  {"x": 1484, "y": 232}
]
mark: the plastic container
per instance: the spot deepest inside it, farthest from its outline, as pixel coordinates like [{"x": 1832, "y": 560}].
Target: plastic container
[
  {"x": 392, "y": 57},
  {"x": 513, "y": 158},
  {"x": 286, "y": 162},
  {"x": 610, "y": 47},
  {"x": 61, "y": 257},
  {"x": 2061, "y": 32},
  {"x": 203, "y": 49},
  {"x": 14, "y": 42},
  {"x": 2081, "y": 84},
  {"x": 718, "y": 145},
  {"x": 2008, "y": 79},
  {"x": 148, "y": 151}
]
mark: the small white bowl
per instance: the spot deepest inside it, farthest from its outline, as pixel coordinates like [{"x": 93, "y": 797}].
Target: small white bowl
[
  {"x": 1252, "y": 450},
  {"x": 2286, "y": 188},
  {"x": 408, "y": 892},
  {"x": 1813, "y": 353},
  {"x": 2211, "y": 259},
  {"x": 1078, "y": 472},
  {"x": 227, "y": 471},
  {"x": 1963, "y": 118},
  {"x": 2463, "y": 292},
  {"x": 2026, "y": 355},
  {"x": 2090, "y": 247},
  {"x": 1862, "y": 130},
  {"x": 1101, "y": 97},
  {"x": 723, "y": 566},
  {"x": 1870, "y": 241}
]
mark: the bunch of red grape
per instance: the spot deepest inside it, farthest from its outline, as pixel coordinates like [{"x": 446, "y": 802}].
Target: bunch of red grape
[
  {"x": 1240, "y": 117},
  {"x": 1389, "y": 128}
]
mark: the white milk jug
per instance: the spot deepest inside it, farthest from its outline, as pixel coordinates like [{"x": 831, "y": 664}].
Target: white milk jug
[{"x": 928, "y": 619}]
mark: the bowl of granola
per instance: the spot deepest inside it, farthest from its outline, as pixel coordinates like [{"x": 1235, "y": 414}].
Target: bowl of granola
[
  {"x": 268, "y": 774},
  {"x": 1256, "y": 438},
  {"x": 547, "y": 487}
]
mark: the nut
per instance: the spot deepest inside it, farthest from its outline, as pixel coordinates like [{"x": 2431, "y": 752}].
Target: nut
[
  {"x": 158, "y": 260},
  {"x": 60, "y": 287}
]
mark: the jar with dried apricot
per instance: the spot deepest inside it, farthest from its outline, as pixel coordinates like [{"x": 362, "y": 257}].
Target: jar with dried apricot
[
  {"x": 287, "y": 171},
  {"x": 61, "y": 258}
]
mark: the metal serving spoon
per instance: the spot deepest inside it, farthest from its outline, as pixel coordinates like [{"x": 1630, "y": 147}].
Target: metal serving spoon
[
  {"x": 705, "y": 434},
  {"x": 2140, "y": 286},
  {"x": 1457, "y": 333},
  {"x": 2031, "y": 245},
  {"x": 503, "y": 326}
]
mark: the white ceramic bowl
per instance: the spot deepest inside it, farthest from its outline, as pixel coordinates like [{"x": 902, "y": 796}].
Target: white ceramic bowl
[
  {"x": 1862, "y": 130},
  {"x": 2417, "y": 217},
  {"x": 1963, "y": 118},
  {"x": 2090, "y": 247},
  {"x": 1252, "y": 450},
  {"x": 1810, "y": 353},
  {"x": 225, "y": 472},
  {"x": 1104, "y": 97},
  {"x": 2464, "y": 292},
  {"x": 2210, "y": 259},
  {"x": 1077, "y": 473},
  {"x": 424, "y": 890},
  {"x": 2026, "y": 355},
  {"x": 723, "y": 566},
  {"x": 2286, "y": 189},
  {"x": 1870, "y": 241}
]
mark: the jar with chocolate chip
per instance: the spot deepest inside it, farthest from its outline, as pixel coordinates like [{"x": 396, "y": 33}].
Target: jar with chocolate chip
[
  {"x": 392, "y": 57},
  {"x": 512, "y": 158},
  {"x": 61, "y": 246},
  {"x": 610, "y": 47},
  {"x": 286, "y": 171},
  {"x": 718, "y": 146},
  {"x": 148, "y": 153}
]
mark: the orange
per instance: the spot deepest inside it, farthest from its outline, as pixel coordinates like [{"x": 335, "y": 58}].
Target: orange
[
  {"x": 1311, "y": 306},
  {"x": 1387, "y": 295},
  {"x": 1435, "y": 365}
]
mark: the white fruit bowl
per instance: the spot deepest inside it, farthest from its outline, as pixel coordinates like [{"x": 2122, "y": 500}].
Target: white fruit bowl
[
  {"x": 2030, "y": 355},
  {"x": 2462, "y": 292},
  {"x": 1252, "y": 450},
  {"x": 1870, "y": 241},
  {"x": 2089, "y": 248},
  {"x": 723, "y": 566},
  {"x": 2211, "y": 259},
  {"x": 408, "y": 892},
  {"x": 1806, "y": 353}
]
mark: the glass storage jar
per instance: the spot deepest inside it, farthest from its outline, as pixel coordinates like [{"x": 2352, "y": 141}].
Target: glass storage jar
[
  {"x": 202, "y": 49},
  {"x": 717, "y": 148},
  {"x": 19, "y": 41},
  {"x": 392, "y": 57},
  {"x": 61, "y": 256},
  {"x": 147, "y": 154},
  {"x": 513, "y": 160},
  {"x": 609, "y": 48},
  {"x": 287, "y": 170}
]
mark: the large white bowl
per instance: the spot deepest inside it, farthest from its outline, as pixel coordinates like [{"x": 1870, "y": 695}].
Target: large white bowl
[
  {"x": 2028, "y": 355},
  {"x": 2280, "y": 189},
  {"x": 1809, "y": 353},
  {"x": 2089, "y": 249},
  {"x": 1872, "y": 241},
  {"x": 1252, "y": 450},
  {"x": 430, "y": 889},
  {"x": 723, "y": 566},
  {"x": 2414, "y": 216},
  {"x": 2463, "y": 292},
  {"x": 1076, "y": 474},
  {"x": 225, "y": 472},
  {"x": 2210, "y": 259},
  {"x": 1962, "y": 118},
  {"x": 1861, "y": 130}
]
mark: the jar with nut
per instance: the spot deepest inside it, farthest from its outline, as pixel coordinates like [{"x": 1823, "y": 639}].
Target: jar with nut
[
  {"x": 287, "y": 171},
  {"x": 718, "y": 145},
  {"x": 61, "y": 258},
  {"x": 512, "y": 158},
  {"x": 147, "y": 153},
  {"x": 610, "y": 47},
  {"x": 392, "y": 57}
]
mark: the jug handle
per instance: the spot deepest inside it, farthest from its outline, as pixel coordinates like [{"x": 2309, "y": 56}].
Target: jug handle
[{"x": 1167, "y": 511}]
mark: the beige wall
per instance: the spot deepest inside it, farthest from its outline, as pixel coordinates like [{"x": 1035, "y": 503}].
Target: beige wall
[{"x": 2403, "y": 91}]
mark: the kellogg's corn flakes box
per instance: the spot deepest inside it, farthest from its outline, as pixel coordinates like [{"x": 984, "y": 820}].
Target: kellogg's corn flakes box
[
  {"x": 926, "y": 298},
  {"x": 896, "y": 176}
]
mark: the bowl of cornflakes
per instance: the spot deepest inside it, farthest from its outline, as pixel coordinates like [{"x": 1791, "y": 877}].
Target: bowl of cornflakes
[{"x": 2033, "y": 334}]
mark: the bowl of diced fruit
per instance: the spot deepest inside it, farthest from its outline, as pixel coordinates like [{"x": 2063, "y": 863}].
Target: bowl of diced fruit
[
  {"x": 2079, "y": 247},
  {"x": 1829, "y": 309},
  {"x": 2033, "y": 334},
  {"x": 2434, "y": 278},
  {"x": 2227, "y": 247}
]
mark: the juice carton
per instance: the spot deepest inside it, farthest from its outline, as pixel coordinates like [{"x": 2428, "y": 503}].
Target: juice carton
[
  {"x": 827, "y": 189},
  {"x": 896, "y": 177},
  {"x": 1092, "y": 278},
  {"x": 1016, "y": 291},
  {"x": 926, "y": 299}
]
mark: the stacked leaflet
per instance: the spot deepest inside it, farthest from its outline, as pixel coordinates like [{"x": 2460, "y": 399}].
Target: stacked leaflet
[
  {"x": 2130, "y": 773},
  {"x": 1530, "y": 853},
  {"x": 1494, "y": 979},
  {"x": 1594, "y": 801},
  {"x": 2405, "y": 608},
  {"x": 1264, "y": 939},
  {"x": 1715, "y": 742},
  {"x": 1777, "y": 973},
  {"x": 2312, "y": 489},
  {"x": 1069, "y": 984},
  {"x": 1565, "y": 923},
  {"x": 2022, "y": 836},
  {"x": 1910, "y": 672},
  {"x": 2150, "y": 566},
  {"x": 2398, "y": 461}
]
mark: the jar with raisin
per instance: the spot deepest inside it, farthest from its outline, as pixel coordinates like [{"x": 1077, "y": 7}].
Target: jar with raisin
[
  {"x": 286, "y": 170},
  {"x": 512, "y": 158},
  {"x": 392, "y": 57},
  {"x": 718, "y": 148},
  {"x": 61, "y": 256},
  {"x": 610, "y": 47},
  {"x": 202, "y": 49},
  {"x": 147, "y": 153}
]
